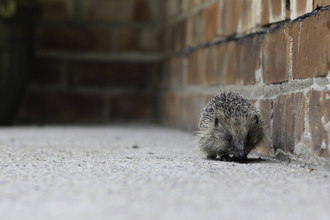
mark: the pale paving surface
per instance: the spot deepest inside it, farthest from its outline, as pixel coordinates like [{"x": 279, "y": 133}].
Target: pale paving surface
[{"x": 92, "y": 172}]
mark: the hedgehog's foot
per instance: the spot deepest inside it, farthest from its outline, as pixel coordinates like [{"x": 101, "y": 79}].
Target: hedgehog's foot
[
  {"x": 211, "y": 156},
  {"x": 226, "y": 158}
]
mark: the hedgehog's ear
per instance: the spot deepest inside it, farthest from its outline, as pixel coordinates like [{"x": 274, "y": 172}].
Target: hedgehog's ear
[
  {"x": 256, "y": 119},
  {"x": 216, "y": 121}
]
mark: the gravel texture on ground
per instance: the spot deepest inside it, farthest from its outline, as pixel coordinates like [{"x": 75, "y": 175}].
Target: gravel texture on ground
[{"x": 145, "y": 172}]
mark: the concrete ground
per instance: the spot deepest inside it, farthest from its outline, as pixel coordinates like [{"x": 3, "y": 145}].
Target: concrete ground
[{"x": 145, "y": 172}]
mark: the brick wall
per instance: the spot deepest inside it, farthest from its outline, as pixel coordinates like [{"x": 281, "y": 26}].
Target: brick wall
[
  {"x": 109, "y": 60},
  {"x": 96, "y": 61},
  {"x": 274, "y": 52}
]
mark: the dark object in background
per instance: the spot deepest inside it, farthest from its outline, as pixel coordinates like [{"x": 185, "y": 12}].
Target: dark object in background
[{"x": 16, "y": 58}]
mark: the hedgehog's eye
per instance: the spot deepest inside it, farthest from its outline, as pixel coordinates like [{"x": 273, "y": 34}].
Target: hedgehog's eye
[
  {"x": 229, "y": 138},
  {"x": 216, "y": 123},
  {"x": 248, "y": 137},
  {"x": 256, "y": 119}
]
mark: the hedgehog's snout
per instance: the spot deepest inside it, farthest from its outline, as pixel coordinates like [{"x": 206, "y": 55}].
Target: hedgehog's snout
[{"x": 241, "y": 155}]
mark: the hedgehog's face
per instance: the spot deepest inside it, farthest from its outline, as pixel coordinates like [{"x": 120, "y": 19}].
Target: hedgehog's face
[{"x": 239, "y": 136}]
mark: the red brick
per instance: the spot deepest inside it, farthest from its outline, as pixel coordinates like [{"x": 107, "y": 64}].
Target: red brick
[
  {"x": 184, "y": 5},
  {"x": 265, "y": 12},
  {"x": 58, "y": 9},
  {"x": 246, "y": 18},
  {"x": 227, "y": 63},
  {"x": 169, "y": 39},
  {"x": 320, "y": 3},
  {"x": 289, "y": 124},
  {"x": 185, "y": 115},
  {"x": 288, "y": 121},
  {"x": 300, "y": 7},
  {"x": 143, "y": 11},
  {"x": 47, "y": 71},
  {"x": 279, "y": 125},
  {"x": 179, "y": 35},
  {"x": 128, "y": 40},
  {"x": 171, "y": 72},
  {"x": 163, "y": 108},
  {"x": 189, "y": 31},
  {"x": 319, "y": 123},
  {"x": 210, "y": 21},
  {"x": 175, "y": 111},
  {"x": 276, "y": 55},
  {"x": 108, "y": 74},
  {"x": 229, "y": 16},
  {"x": 72, "y": 38},
  {"x": 298, "y": 114},
  {"x": 176, "y": 71},
  {"x": 128, "y": 107},
  {"x": 188, "y": 119},
  {"x": 165, "y": 75},
  {"x": 211, "y": 58},
  {"x": 202, "y": 70},
  {"x": 295, "y": 116},
  {"x": 310, "y": 57},
  {"x": 197, "y": 67},
  {"x": 149, "y": 40},
  {"x": 196, "y": 29},
  {"x": 193, "y": 58},
  {"x": 266, "y": 107},
  {"x": 101, "y": 10},
  {"x": 183, "y": 119},
  {"x": 193, "y": 3},
  {"x": 163, "y": 10},
  {"x": 173, "y": 8},
  {"x": 123, "y": 11},
  {"x": 188, "y": 107},
  {"x": 248, "y": 59},
  {"x": 274, "y": 11},
  {"x": 62, "y": 106},
  {"x": 277, "y": 6},
  {"x": 194, "y": 104},
  {"x": 134, "y": 40},
  {"x": 170, "y": 108}
]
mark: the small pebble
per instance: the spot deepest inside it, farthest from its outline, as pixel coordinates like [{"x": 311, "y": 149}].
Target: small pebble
[{"x": 129, "y": 157}]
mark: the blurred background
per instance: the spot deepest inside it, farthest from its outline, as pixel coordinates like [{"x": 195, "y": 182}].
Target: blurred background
[{"x": 79, "y": 61}]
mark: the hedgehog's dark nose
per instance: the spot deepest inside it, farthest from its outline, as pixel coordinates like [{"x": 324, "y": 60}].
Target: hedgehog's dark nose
[{"x": 242, "y": 155}]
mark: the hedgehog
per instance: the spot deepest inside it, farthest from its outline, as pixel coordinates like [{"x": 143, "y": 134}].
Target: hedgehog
[{"x": 229, "y": 127}]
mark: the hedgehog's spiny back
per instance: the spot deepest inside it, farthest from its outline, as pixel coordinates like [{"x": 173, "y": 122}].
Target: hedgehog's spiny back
[{"x": 233, "y": 105}]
